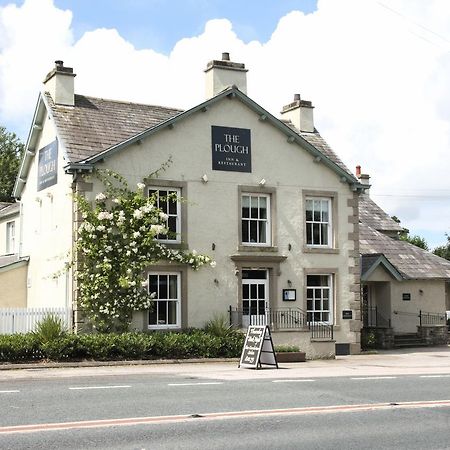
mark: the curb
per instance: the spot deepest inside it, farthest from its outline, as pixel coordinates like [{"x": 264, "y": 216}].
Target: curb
[{"x": 75, "y": 364}]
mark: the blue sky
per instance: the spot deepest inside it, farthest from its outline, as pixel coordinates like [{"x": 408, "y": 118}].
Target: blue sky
[
  {"x": 376, "y": 71},
  {"x": 159, "y": 24}
]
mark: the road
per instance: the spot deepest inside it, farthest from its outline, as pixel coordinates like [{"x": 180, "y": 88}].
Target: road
[{"x": 218, "y": 406}]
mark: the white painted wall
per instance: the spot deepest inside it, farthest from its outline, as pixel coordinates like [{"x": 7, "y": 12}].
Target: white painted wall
[
  {"x": 47, "y": 230},
  {"x": 213, "y": 207}
]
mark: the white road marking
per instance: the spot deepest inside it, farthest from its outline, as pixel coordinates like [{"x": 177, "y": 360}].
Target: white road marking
[
  {"x": 194, "y": 384},
  {"x": 9, "y": 392},
  {"x": 80, "y": 388},
  {"x": 373, "y": 378},
  {"x": 434, "y": 376},
  {"x": 292, "y": 381}
]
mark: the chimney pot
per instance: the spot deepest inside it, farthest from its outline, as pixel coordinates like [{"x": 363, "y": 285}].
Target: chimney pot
[
  {"x": 59, "y": 63},
  {"x": 296, "y": 97},
  {"x": 225, "y": 56},
  {"x": 358, "y": 171}
]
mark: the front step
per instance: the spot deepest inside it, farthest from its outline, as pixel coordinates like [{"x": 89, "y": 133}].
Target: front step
[{"x": 405, "y": 340}]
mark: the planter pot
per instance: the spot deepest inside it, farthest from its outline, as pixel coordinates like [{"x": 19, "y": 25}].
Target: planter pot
[{"x": 291, "y": 357}]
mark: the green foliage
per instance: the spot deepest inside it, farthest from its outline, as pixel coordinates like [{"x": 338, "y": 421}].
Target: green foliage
[
  {"x": 116, "y": 243},
  {"x": 124, "y": 346},
  {"x": 368, "y": 339},
  {"x": 11, "y": 150},
  {"x": 418, "y": 241},
  {"x": 219, "y": 326},
  {"x": 286, "y": 348},
  {"x": 50, "y": 328},
  {"x": 443, "y": 250}
]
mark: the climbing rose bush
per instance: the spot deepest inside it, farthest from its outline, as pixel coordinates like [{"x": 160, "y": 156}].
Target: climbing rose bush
[{"x": 116, "y": 243}]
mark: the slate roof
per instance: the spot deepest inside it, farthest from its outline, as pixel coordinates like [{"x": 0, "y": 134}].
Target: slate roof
[
  {"x": 411, "y": 261},
  {"x": 9, "y": 209},
  {"x": 9, "y": 260},
  {"x": 95, "y": 124},
  {"x": 319, "y": 142},
  {"x": 373, "y": 216}
]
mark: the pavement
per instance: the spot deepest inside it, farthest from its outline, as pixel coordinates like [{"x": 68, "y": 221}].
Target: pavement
[{"x": 430, "y": 361}]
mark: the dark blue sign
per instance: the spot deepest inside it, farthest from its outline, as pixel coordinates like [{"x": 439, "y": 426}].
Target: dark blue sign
[
  {"x": 231, "y": 149},
  {"x": 47, "y": 166}
]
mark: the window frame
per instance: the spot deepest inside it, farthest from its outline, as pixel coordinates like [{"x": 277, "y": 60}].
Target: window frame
[
  {"x": 271, "y": 232},
  {"x": 178, "y": 301},
  {"x": 267, "y": 221},
  {"x": 331, "y": 297},
  {"x": 11, "y": 237},
  {"x": 321, "y": 223},
  {"x": 333, "y": 234},
  {"x": 177, "y": 190}
]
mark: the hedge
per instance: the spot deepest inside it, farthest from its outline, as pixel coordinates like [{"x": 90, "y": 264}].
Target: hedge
[{"x": 117, "y": 347}]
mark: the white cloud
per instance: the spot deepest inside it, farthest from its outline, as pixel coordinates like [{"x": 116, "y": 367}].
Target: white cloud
[{"x": 376, "y": 71}]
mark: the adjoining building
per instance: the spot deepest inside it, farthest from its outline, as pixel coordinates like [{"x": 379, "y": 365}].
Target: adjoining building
[{"x": 405, "y": 290}]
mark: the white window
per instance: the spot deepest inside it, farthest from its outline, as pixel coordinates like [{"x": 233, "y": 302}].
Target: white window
[
  {"x": 10, "y": 237},
  {"x": 166, "y": 310},
  {"x": 255, "y": 217},
  {"x": 167, "y": 200},
  {"x": 319, "y": 298},
  {"x": 318, "y": 222}
]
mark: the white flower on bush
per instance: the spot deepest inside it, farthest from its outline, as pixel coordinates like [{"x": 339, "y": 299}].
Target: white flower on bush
[
  {"x": 136, "y": 234},
  {"x": 141, "y": 186},
  {"x": 116, "y": 201},
  {"x": 147, "y": 208},
  {"x": 156, "y": 229},
  {"x": 101, "y": 228},
  {"x": 213, "y": 264},
  {"x": 104, "y": 215},
  {"x": 138, "y": 214},
  {"x": 144, "y": 283},
  {"x": 163, "y": 216},
  {"x": 100, "y": 197}
]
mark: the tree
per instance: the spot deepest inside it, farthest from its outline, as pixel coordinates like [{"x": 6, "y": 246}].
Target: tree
[
  {"x": 11, "y": 150},
  {"x": 416, "y": 240},
  {"x": 443, "y": 250}
]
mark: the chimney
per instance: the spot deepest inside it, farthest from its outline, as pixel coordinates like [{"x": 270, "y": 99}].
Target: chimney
[
  {"x": 225, "y": 73},
  {"x": 300, "y": 113},
  {"x": 363, "y": 178},
  {"x": 60, "y": 84}
]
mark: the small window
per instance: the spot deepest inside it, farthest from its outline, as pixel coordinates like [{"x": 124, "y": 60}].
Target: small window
[
  {"x": 255, "y": 219},
  {"x": 167, "y": 200},
  {"x": 319, "y": 298},
  {"x": 318, "y": 222},
  {"x": 10, "y": 237},
  {"x": 165, "y": 312}
]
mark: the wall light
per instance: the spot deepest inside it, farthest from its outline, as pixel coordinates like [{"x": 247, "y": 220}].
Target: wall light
[
  {"x": 289, "y": 282},
  {"x": 205, "y": 178},
  {"x": 262, "y": 182}
]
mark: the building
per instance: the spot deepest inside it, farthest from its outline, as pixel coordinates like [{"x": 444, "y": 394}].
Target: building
[
  {"x": 405, "y": 290},
  {"x": 266, "y": 197},
  {"x": 13, "y": 269}
]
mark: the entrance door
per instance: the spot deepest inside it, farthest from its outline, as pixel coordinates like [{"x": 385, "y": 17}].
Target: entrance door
[{"x": 255, "y": 298}]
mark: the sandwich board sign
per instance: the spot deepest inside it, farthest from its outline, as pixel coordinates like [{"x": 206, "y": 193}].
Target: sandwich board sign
[{"x": 258, "y": 348}]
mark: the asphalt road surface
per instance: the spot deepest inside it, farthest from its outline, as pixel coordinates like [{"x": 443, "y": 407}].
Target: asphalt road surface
[{"x": 162, "y": 410}]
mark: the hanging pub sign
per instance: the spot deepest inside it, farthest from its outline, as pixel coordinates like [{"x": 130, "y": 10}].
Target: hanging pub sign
[
  {"x": 47, "y": 166},
  {"x": 231, "y": 149},
  {"x": 258, "y": 348}
]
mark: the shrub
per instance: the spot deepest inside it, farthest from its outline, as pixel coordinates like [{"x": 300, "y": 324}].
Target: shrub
[
  {"x": 218, "y": 326},
  {"x": 124, "y": 346},
  {"x": 286, "y": 348},
  {"x": 49, "y": 329}
]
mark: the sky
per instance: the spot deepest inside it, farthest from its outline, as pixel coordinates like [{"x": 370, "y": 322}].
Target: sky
[{"x": 376, "y": 71}]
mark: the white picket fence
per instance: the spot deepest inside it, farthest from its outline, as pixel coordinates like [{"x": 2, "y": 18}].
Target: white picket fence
[{"x": 23, "y": 320}]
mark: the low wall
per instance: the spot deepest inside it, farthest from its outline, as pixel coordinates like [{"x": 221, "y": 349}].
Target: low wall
[
  {"x": 434, "y": 335},
  {"x": 314, "y": 349}
]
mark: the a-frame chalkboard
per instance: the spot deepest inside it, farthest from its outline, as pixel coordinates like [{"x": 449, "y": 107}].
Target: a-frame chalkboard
[{"x": 258, "y": 348}]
